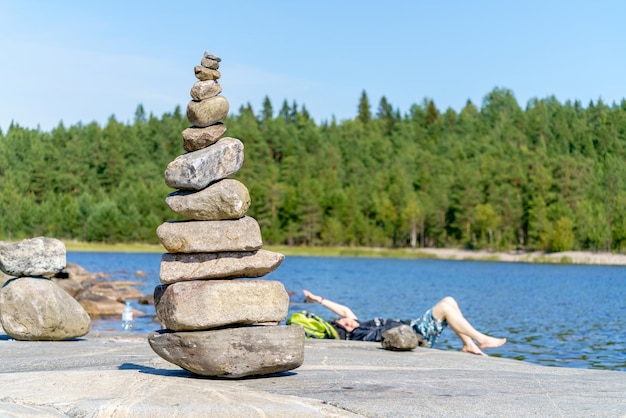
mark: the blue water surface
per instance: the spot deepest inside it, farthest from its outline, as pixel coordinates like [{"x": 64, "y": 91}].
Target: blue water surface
[{"x": 554, "y": 315}]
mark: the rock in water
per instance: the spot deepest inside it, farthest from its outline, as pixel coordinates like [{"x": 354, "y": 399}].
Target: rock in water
[
  {"x": 400, "y": 338},
  {"x": 224, "y": 265},
  {"x": 32, "y": 257},
  {"x": 196, "y": 170},
  {"x": 225, "y": 199},
  {"x": 204, "y": 304},
  {"x": 242, "y": 234},
  {"x": 35, "y": 308},
  {"x": 232, "y": 352}
]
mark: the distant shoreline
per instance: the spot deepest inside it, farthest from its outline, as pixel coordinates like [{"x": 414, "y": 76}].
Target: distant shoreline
[{"x": 567, "y": 257}]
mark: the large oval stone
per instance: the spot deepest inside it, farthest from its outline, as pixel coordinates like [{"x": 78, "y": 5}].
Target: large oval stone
[
  {"x": 226, "y": 265},
  {"x": 225, "y": 199},
  {"x": 198, "y": 138},
  {"x": 35, "y": 308},
  {"x": 32, "y": 257},
  {"x": 243, "y": 234},
  {"x": 196, "y": 170},
  {"x": 207, "y": 112},
  {"x": 204, "y": 304},
  {"x": 232, "y": 352}
]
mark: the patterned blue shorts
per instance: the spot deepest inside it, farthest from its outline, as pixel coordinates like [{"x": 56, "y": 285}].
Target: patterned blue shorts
[{"x": 428, "y": 327}]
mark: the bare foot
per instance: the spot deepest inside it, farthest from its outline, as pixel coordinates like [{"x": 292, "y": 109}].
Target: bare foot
[
  {"x": 491, "y": 342},
  {"x": 473, "y": 349}
]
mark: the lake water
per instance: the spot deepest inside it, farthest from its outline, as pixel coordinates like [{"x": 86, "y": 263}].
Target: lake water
[{"x": 554, "y": 315}]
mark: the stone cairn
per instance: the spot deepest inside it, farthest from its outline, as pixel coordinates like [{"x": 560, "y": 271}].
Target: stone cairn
[
  {"x": 32, "y": 306},
  {"x": 217, "y": 321}
]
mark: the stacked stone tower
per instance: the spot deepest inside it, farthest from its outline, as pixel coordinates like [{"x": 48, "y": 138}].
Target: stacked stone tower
[{"x": 218, "y": 321}]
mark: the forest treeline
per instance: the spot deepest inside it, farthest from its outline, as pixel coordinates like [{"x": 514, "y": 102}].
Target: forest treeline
[{"x": 550, "y": 176}]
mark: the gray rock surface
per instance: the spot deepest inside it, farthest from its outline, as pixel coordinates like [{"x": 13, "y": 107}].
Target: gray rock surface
[
  {"x": 176, "y": 267},
  {"x": 207, "y": 112},
  {"x": 242, "y": 234},
  {"x": 38, "y": 309},
  {"x": 198, "y": 138},
  {"x": 202, "y": 90},
  {"x": 118, "y": 375},
  {"x": 196, "y": 170},
  {"x": 32, "y": 257},
  {"x": 232, "y": 352},
  {"x": 224, "y": 199},
  {"x": 204, "y": 304},
  {"x": 400, "y": 338},
  {"x": 211, "y": 56},
  {"x": 203, "y": 73}
]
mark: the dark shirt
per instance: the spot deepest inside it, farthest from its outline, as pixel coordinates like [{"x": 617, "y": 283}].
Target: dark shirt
[{"x": 371, "y": 330}]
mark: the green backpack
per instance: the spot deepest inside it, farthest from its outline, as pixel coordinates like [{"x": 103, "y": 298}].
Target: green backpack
[{"x": 314, "y": 326}]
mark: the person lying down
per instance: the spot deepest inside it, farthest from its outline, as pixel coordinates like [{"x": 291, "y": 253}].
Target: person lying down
[{"x": 430, "y": 325}]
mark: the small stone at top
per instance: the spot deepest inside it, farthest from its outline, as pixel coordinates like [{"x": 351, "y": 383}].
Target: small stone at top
[{"x": 210, "y": 56}]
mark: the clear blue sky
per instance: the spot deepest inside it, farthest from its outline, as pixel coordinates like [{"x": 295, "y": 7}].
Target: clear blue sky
[{"x": 84, "y": 61}]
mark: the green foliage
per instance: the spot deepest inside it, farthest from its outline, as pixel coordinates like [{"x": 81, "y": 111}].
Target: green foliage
[{"x": 548, "y": 177}]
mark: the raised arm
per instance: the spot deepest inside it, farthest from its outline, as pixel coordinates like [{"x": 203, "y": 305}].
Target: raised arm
[{"x": 337, "y": 308}]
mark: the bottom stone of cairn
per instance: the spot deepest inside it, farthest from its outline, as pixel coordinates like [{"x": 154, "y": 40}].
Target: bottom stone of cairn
[{"x": 232, "y": 352}]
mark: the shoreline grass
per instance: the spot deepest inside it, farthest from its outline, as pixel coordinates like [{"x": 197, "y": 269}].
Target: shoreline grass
[
  {"x": 101, "y": 247},
  {"x": 587, "y": 258}
]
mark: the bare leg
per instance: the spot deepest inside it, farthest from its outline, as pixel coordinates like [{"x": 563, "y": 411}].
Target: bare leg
[{"x": 448, "y": 310}]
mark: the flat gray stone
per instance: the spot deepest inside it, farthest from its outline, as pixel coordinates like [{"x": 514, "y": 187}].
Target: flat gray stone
[
  {"x": 211, "y": 56},
  {"x": 225, "y": 199},
  {"x": 232, "y": 352},
  {"x": 32, "y": 257},
  {"x": 202, "y": 90},
  {"x": 204, "y": 304},
  {"x": 203, "y": 73},
  {"x": 198, "y": 138},
  {"x": 38, "y": 309},
  {"x": 196, "y": 170},
  {"x": 243, "y": 234},
  {"x": 226, "y": 265}
]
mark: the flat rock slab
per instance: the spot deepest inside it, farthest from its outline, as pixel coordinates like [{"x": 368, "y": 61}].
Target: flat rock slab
[
  {"x": 198, "y": 138},
  {"x": 196, "y": 170},
  {"x": 243, "y": 234},
  {"x": 32, "y": 257},
  {"x": 117, "y": 374},
  {"x": 205, "y": 304},
  {"x": 177, "y": 267},
  {"x": 36, "y": 308},
  {"x": 225, "y": 199},
  {"x": 232, "y": 352}
]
